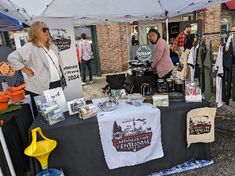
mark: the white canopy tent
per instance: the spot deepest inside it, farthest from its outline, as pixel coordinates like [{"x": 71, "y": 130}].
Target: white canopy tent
[{"x": 87, "y": 12}]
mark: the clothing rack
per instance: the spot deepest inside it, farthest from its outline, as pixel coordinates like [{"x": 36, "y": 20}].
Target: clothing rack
[
  {"x": 223, "y": 39},
  {"x": 212, "y": 33},
  {"x": 221, "y": 130}
]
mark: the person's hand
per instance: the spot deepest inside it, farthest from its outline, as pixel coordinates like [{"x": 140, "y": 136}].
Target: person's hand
[
  {"x": 30, "y": 73},
  {"x": 179, "y": 53},
  {"x": 27, "y": 71},
  {"x": 226, "y": 49}
]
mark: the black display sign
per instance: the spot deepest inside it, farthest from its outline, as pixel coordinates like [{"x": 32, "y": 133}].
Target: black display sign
[{"x": 143, "y": 52}]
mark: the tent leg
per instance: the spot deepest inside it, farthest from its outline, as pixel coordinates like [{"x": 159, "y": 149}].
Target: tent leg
[
  {"x": 167, "y": 31},
  {"x": 7, "y": 155}
]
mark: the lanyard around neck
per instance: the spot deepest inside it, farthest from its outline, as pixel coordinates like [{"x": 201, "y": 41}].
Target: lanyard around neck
[{"x": 59, "y": 70}]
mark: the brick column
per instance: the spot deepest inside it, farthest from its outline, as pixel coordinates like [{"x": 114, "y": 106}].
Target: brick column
[
  {"x": 112, "y": 45},
  {"x": 211, "y": 22}
]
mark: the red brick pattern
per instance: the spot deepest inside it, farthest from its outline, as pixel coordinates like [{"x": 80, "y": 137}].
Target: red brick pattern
[
  {"x": 211, "y": 22},
  {"x": 113, "y": 49}
]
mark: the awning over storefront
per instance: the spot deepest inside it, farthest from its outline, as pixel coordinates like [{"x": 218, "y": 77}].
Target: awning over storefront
[{"x": 231, "y": 4}]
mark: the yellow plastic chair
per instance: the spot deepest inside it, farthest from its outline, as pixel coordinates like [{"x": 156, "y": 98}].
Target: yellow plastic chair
[{"x": 40, "y": 149}]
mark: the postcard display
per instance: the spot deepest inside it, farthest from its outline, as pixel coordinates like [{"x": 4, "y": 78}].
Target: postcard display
[
  {"x": 52, "y": 105},
  {"x": 62, "y": 32}
]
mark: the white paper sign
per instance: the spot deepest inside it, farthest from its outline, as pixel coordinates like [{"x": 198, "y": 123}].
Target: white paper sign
[{"x": 56, "y": 95}]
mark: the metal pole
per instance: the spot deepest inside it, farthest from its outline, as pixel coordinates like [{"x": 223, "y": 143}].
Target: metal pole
[
  {"x": 6, "y": 152},
  {"x": 167, "y": 31}
]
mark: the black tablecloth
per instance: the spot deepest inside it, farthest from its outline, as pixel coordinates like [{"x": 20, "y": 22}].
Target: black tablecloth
[
  {"x": 79, "y": 151},
  {"x": 15, "y": 131}
]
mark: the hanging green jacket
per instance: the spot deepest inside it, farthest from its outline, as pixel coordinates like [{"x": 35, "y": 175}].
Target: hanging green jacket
[{"x": 205, "y": 65}]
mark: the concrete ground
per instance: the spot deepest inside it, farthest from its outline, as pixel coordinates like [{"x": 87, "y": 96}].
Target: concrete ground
[
  {"x": 223, "y": 149},
  {"x": 94, "y": 90}
]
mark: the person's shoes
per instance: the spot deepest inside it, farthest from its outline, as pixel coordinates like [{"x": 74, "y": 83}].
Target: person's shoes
[
  {"x": 91, "y": 82},
  {"x": 83, "y": 83}
]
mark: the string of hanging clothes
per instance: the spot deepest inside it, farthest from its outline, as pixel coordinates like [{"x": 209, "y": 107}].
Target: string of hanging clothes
[
  {"x": 200, "y": 62},
  {"x": 224, "y": 70}
]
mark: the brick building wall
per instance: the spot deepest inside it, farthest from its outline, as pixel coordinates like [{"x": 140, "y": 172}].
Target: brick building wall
[
  {"x": 211, "y": 22},
  {"x": 113, "y": 49}
]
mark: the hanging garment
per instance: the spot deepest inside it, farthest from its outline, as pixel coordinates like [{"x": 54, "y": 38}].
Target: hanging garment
[
  {"x": 197, "y": 69},
  {"x": 219, "y": 74},
  {"x": 200, "y": 60},
  {"x": 205, "y": 65},
  {"x": 192, "y": 62},
  {"x": 233, "y": 83},
  {"x": 227, "y": 77},
  {"x": 208, "y": 73},
  {"x": 232, "y": 59}
]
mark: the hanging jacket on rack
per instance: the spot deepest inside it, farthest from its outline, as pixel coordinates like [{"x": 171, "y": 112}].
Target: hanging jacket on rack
[
  {"x": 200, "y": 60},
  {"x": 231, "y": 61},
  {"x": 205, "y": 66},
  {"x": 233, "y": 83},
  {"x": 227, "y": 78}
]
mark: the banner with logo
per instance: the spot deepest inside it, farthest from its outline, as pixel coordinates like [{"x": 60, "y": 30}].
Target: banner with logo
[
  {"x": 62, "y": 33},
  {"x": 143, "y": 52},
  {"x": 130, "y": 135},
  {"x": 200, "y": 125}
]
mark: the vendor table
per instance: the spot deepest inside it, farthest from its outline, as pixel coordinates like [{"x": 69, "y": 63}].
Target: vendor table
[
  {"x": 79, "y": 151},
  {"x": 15, "y": 135}
]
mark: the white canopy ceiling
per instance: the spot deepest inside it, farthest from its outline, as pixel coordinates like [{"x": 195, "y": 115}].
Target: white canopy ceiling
[{"x": 101, "y": 11}]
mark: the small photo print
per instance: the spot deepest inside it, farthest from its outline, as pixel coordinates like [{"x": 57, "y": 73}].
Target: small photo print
[
  {"x": 75, "y": 105},
  {"x": 118, "y": 93},
  {"x": 40, "y": 100}
]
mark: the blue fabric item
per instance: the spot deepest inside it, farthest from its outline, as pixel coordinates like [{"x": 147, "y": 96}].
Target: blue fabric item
[
  {"x": 51, "y": 172},
  {"x": 174, "y": 59},
  {"x": 189, "y": 165}
]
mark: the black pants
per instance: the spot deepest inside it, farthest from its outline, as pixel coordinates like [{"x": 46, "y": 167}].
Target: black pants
[
  {"x": 85, "y": 64},
  {"x": 32, "y": 95}
]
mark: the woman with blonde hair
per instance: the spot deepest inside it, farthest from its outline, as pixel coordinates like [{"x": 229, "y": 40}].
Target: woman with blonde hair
[{"x": 39, "y": 59}]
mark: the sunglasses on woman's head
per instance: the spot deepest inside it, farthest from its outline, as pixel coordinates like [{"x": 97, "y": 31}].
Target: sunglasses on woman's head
[{"x": 45, "y": 29}]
